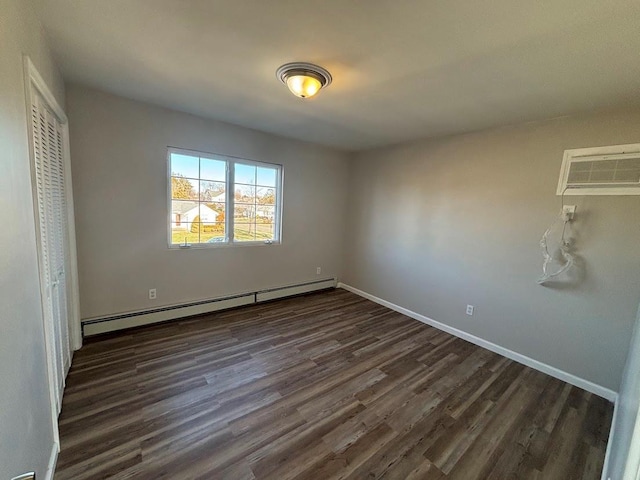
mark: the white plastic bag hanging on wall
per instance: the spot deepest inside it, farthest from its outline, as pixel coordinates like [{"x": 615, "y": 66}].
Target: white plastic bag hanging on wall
[{"x": 556, "y": 254}]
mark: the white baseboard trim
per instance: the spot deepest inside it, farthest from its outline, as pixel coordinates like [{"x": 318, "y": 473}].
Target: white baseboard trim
[
  {"x": 100, "y": 325},
  {"x": 139, "y": 319},
  {"x": 529, "y": 362},
  {"x": 283, "y": 292},
  {"x": 53, "y": 459},
  {"x": 612, "y": 432}
]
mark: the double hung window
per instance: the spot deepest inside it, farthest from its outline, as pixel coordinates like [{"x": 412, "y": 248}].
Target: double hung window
[{"x": 221, "y": 200}]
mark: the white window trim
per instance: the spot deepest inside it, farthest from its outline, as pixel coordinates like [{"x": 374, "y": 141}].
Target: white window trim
[{"x": 230, "y": 200}]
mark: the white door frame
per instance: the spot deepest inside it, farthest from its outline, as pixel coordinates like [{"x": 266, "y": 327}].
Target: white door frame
[
  {"x": 34, "y": 82},
  {"x": 632, "y": 468}
]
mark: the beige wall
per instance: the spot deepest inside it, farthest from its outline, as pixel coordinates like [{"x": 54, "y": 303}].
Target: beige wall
[
  {"x": 25, "y": 415},
  {"x": 439, "y": 224},
  {"x": 119, "y": 150}
]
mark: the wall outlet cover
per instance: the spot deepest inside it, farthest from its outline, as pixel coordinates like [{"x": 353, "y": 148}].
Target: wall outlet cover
[{"x": 568, "y": 211}]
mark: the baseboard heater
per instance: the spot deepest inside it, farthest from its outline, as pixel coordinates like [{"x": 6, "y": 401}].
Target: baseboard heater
[{"x": 96, "y": 326}]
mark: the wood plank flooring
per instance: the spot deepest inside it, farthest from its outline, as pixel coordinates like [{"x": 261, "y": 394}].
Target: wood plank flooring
[{"x": 325, "y": 386}]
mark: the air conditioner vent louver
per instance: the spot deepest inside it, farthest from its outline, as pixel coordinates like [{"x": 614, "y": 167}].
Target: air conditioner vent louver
[{"x": 611, "y": 170}]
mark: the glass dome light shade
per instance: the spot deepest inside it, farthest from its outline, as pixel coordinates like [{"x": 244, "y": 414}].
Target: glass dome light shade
[
  {"x": 303, "y": 79},
  {"x": 303, "y": 86}
]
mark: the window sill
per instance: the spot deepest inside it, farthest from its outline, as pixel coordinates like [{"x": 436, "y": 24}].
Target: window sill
[{"x": 198, "y": 246}]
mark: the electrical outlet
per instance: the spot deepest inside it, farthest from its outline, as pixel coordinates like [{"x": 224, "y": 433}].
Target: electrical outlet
[
  {"x": 318, "y": 270},
  {"x": 568, "y": 212},
  {"x": 152, "y": 294},
  {"x": 470, "y": 309}
]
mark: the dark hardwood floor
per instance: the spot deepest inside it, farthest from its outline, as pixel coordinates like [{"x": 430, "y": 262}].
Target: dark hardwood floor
[{"x": 324, "y": 386}]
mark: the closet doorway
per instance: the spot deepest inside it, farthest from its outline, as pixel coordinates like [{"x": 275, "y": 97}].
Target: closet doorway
[{"x": 55, "y": 231}]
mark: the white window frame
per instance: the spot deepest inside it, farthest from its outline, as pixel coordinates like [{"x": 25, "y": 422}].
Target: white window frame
[{"x": 230, "y": 200}]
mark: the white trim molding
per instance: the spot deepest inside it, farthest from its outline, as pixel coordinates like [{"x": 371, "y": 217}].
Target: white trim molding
[
  {"x": 33, "y": 79},
  {"x": 38, "y": 82},
  {"x": 612, "y": 433},
  {"x": 587, "y": 385},
  {"x": 122, "y": 321},
  {"x": 53, "y": 460},
  {"x": 33, "y": 82},
  {"x": 632, "y": 466}
]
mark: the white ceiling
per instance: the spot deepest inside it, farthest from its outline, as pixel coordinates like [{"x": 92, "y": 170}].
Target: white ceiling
[{"x": 402, "y": 69}]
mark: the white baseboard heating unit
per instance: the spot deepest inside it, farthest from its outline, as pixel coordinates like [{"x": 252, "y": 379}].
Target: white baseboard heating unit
[{"x": 112, "y": 323}]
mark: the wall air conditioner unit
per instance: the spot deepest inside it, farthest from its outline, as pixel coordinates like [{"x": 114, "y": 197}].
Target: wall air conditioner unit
[{"x": 613, "y": 170}]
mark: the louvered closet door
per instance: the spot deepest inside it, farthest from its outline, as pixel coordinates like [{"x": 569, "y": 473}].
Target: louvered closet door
[{"x": 52, "y": 216}]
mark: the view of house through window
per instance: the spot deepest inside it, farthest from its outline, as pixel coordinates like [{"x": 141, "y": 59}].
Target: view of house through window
[{"x": 222, "y": 200}]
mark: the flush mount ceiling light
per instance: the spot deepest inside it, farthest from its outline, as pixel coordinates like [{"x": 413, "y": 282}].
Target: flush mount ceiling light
[{"x": 303, "y": 79}]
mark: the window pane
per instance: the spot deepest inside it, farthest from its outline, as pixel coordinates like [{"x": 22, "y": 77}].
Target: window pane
[
  {"x": 184, "y": 188},
  {"x": 212, "y": 233},
  {"x": 184, "y": 166},
  {"x": 180, "y": 233},
  {"x": 213, "y": 169},
  {"x": 195, "y": 229},
  {"x": 244, "y": 213},
  {"x": 265, "y": 230},
  {"x": 245, "y": 174},
  {"x": 245, "y": 194},
  {"x": 250, "y": 232},
  {"x": 266, "y": 195},
  {"x": 265, "y": 222},
  {"x": 244, "y": 232},
  {"x": 265, "y": 213},
  {"x": 199, "y": 232},
  {"x": 183, "y": 212},
  {"x": 219, "y": 208},
  {"x": 207, "y": 214},
  {"x": 267, "y": 176},
  {"x": 212, "y": 191}
]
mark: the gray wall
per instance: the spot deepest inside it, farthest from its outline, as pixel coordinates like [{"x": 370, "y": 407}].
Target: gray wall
[
  {"x": 25, "y": 415},
  {"x": 628, "y": 404},
  {"x": 439, "y": 224},
  {"x": 119, "y": 150}
]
